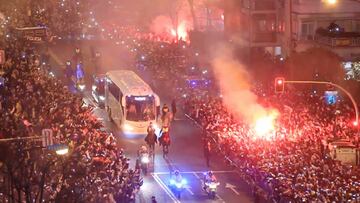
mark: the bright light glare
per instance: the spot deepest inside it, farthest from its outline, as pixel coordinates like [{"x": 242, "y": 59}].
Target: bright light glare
[
  {"x": 173, "y": 32},
  {"x": 62, "y": 151},
  {"x": 82, "y": 87},
  {"x": 184, "y": 181},
  {"x": 331, "y": 1},
  {"x": 145, "y": 159},
  {"x": 128, "y": 127},
  {"x": 155, "y": 126},
  {"x": 265, "y": 126}
]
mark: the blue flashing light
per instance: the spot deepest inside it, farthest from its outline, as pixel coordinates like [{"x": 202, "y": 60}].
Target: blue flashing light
[{"x": 331, "y": 97}]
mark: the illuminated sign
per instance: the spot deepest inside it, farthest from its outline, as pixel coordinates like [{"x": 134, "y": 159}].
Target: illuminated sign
[
  {"x": 342, "y": 42},
  {"x": 140, "y": 98}
]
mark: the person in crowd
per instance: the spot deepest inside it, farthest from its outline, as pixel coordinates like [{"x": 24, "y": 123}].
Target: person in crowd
[
  {"x": 209, "y": 177},
  {"x": 151, "y": 137},
  {"x": 143, "y": 150},
  {"x": 173, "y": 107},
  {"x": 207, "y": 150},
  {"x": 153, "y": 199}
]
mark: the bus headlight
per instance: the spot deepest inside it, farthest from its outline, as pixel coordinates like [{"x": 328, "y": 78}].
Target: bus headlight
[
  {"x": 102, "y": 98},
  {"x": 155, "y": 126},
  {"x": 127, "y": 127},
  {"x": 81, "y": 87}
]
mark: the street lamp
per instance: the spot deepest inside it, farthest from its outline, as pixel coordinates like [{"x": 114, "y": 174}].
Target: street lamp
[
  {"x": 330, "y": 2},
  {"x": 62, "y": 151}
]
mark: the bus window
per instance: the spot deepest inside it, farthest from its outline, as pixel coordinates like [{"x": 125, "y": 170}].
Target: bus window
[
  {"x": 140, "y": 108},
  {"x": 114, "y": 90}
]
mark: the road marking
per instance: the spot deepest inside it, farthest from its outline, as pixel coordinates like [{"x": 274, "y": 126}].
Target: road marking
[
  {"x": 185, "y": 172},
  {"x": 165, "y": 188},
  {"x": 55, "y": 57},
  {"x": 202, "y": 183},
  {"x": 232, "y": 187},
  {"x": 191, "y": 119},
  {"x": 197, "y": 176},
  {"x": 90, "y": 99},
  {"x": 187, "y": 187}
]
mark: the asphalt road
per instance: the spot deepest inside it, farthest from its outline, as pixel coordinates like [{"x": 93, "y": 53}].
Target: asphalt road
[{"x": 186, "y": 150}]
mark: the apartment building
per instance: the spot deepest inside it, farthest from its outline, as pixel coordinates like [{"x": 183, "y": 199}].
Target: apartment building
[
  {"x": 316, "y": 23},
  {"x": 282, "y": 27},
  {"x": 309, "y": 16},
  {"x": 255, "y": 23}
]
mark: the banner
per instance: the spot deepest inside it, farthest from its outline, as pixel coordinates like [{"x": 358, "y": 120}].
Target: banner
[{"x": 47, "y": 137}]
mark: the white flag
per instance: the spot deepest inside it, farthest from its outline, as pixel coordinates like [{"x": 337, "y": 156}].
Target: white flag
[{"x": 47, "y": 137}]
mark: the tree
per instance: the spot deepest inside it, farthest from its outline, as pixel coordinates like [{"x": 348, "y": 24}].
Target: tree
[{"x": 315, "y": 64}]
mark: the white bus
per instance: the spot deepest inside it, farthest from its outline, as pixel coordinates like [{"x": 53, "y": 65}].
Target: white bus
[{"x": 130, "y": 102}]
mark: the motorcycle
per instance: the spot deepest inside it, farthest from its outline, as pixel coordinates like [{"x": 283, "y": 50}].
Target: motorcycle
[
  {"x": 80, "y": 85},
  {"x": 210, "y": 189},
  {"x": 177, "y": 186},
  {"x": 144, "y": 162},
  {"x": 80, "y": 78}
]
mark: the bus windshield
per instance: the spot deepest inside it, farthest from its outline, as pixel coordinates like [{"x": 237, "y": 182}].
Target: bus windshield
[{"x": 140, "y": 108}]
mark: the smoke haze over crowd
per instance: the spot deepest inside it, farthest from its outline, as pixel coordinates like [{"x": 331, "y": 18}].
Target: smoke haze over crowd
[{"x": 234, "y": 82}]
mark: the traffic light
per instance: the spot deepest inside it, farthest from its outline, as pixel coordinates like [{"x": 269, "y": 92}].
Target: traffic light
[{"x": 279, "y": 84}]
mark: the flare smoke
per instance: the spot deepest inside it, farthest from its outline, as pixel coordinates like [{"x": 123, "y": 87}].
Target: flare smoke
[{"x": 234, "y": 82}]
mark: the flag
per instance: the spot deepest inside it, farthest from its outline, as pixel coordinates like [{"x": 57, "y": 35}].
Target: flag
[{"x": 47, "y": 137}]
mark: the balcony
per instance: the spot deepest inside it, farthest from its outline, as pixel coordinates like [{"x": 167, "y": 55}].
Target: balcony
[
  {"x": 267, "y": 37},
  {"x": 346, "y": 39},
  {"x": 263, "y": 5},
  {"x": 259, "y": 6}
]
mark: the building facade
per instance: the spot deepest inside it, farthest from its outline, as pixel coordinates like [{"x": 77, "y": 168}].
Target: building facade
[
  {"x": 282, "y": 27},
  {"x": 309, "y": 16},
  {"x": 315, "y": 23},
  {"x": 255, "y": 23}
]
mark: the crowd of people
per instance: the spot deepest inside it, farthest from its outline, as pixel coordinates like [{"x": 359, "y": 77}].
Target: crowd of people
[
  {"x": 63, "y": 19},
  {"x": 94, "y": 170},
  {"x": 295, "y": 164}
]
